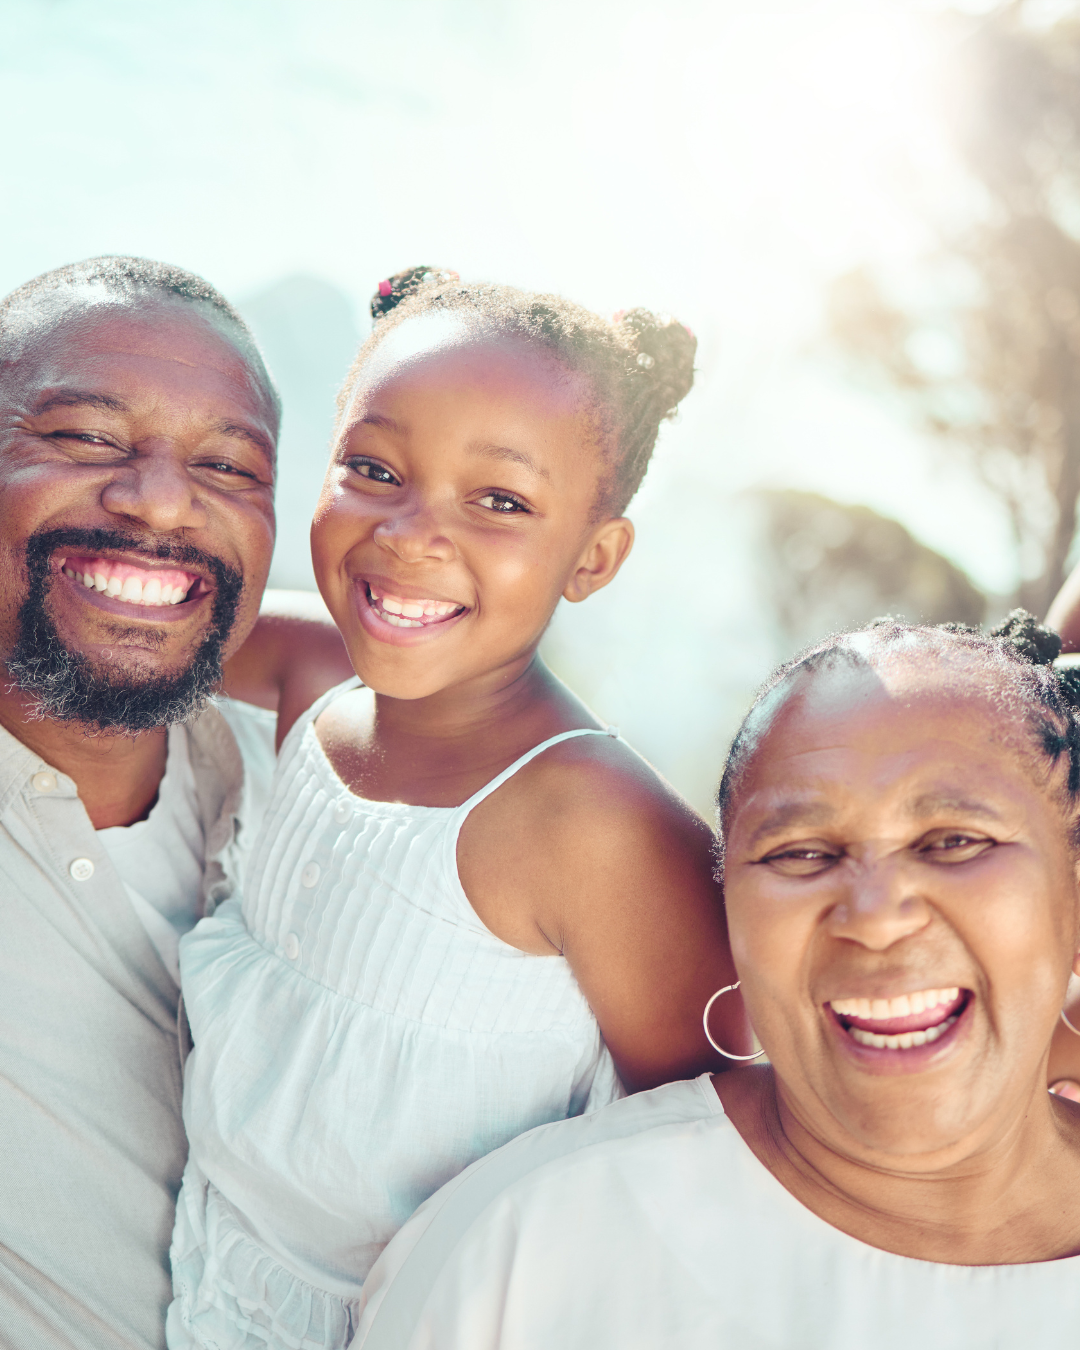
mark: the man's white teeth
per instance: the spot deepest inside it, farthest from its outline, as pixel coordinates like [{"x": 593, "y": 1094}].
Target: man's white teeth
[
  {"x": 904, "y": 1041},
  {"x": 885, "y": 1009},
  {"x": 132, "y": 591}
]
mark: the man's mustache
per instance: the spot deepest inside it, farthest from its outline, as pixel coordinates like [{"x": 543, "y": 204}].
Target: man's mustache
[{"x": 41, "y": 546}]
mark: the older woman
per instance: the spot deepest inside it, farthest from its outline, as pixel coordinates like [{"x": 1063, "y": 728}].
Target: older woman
[{"x": 900, "y": 814}]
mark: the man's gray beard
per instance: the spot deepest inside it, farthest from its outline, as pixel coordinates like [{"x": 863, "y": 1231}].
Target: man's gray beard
[{"x": 66, "y": 687}]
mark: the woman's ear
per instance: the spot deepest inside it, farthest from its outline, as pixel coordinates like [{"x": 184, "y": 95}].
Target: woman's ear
[{"x": 607, "y": 550}]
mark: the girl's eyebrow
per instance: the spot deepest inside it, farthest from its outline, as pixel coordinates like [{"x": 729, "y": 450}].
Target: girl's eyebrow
[{"x": 491, "y": 451}]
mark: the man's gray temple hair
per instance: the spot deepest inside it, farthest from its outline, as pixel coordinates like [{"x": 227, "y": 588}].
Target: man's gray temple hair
[{"x": 39, "y": 305}]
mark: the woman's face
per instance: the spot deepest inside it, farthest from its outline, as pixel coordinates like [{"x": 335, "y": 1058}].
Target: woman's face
[
  {"x": 902, "y": 898},
  {"x": 457, "y": 508}
]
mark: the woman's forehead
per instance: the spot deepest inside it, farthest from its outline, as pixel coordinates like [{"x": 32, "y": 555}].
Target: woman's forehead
[{"x": 884, "y": 729}]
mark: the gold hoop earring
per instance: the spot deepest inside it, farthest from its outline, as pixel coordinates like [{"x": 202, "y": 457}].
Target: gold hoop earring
[{"x": 728, "y": 989}]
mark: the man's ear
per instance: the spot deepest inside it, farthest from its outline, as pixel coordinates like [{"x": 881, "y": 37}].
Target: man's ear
[{"x": 607, "y": 550}]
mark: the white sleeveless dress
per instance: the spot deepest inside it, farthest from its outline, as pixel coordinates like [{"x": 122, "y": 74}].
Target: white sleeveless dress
[{"x": 360, "y": 1038}]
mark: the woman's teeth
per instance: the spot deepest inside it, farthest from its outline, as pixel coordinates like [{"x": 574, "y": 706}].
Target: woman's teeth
[
  {"x": 131, "y": 589},
  {"x": 904, "y": 1005},
  {"x": 905, "y": 1040},
  {"x": 933, "y": 1010},
  {"x": 401, "y": 613}
]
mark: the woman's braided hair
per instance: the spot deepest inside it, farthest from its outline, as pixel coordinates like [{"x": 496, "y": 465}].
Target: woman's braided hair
[
  {"x": 639, "y": 365},
  {"x": 1020, "y": 652}
]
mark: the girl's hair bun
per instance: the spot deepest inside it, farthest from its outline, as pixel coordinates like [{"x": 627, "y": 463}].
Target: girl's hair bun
[
  {"x": 662, "y": 354},
  {"x": 1041, "y": 646},
  {"x": 401, "y": 285}
]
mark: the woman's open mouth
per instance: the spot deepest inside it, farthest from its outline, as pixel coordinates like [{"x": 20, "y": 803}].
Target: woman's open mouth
[
  {"x": 906, "y": 1022},
  {"x": 401, "y": 612}
]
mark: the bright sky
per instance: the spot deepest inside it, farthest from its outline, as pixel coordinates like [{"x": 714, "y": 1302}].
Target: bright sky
[{"x": 718, "y": 159}]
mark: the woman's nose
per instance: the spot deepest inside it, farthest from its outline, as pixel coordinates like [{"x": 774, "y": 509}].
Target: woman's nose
[
  {"x": 882, "y": 904},
  {"x": 415, "y": 533},
  {"x": 156, "y": 490}
]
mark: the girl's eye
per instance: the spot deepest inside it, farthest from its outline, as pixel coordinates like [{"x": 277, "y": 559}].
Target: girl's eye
[
  {"x": 373, "y": 471},
  {"x": 502, "y": 502}
]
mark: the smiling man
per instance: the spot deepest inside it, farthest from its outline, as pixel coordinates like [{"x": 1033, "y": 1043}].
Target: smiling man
[{"x": 137, "y": 455}]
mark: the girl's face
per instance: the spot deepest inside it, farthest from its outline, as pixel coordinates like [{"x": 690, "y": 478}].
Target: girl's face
[
  {"x": 902, "y": 897},
  {"x": 458, "y": 507}
]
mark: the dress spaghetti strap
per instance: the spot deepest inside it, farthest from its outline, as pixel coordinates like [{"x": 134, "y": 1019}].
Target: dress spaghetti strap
[{"x": 509, "y": 772}]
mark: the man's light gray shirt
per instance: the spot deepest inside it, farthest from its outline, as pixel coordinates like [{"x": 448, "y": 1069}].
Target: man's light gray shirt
[{"x": 91, "y": 1141}]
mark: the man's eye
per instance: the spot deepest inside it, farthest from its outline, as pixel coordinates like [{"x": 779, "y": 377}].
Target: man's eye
[
  {"x": 83, "y": 437},
  {"x": 502, "y": 502},
  {"x": 223, "y": 466},
  {"x": 371, "y": 469}
]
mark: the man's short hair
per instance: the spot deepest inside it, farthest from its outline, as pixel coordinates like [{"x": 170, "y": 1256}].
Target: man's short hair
[{"x": 42, "y": 303}]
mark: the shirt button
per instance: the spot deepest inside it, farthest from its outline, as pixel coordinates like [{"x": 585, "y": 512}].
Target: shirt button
[
  {"x": 44, "y": 781},
  {"x": 82, "y": 869},
  {"x": 292, "y": 946},
  {"x": 310, "y": 875},
  {"x": 343, "y": 812}
]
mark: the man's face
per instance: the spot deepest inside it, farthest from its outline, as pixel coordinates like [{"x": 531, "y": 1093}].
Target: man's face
[{"x": 136, "y": 512}]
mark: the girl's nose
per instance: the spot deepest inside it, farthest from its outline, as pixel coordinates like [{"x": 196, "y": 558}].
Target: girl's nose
[
  {"x": 156, "y": 490},
  {"x": 882, "y": 903},
  {"x": 415, "y": 534}
]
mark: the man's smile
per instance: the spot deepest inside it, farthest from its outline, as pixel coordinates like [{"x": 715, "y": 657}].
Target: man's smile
[{"x": 132, "y": 584}]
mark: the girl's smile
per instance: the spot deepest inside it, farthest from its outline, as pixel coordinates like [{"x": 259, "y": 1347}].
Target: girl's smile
[{"x": 389, "y": 613}]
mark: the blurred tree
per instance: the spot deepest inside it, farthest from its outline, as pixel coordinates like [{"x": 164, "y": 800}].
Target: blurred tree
[
  {"x": 994, "y": 367},
  {"x": 828, "y": 566}
]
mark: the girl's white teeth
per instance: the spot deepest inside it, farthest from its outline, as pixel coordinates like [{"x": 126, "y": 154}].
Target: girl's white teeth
[
  {"x": 885, "y": 1009},
  {"x": 904, "y": 1041},
  {"x": 133, "y": 591},
  {"x": 410, "y": 613}
]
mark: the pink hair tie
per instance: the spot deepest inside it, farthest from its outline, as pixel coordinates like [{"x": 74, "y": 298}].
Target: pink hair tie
[{"x": 386, "y": 288}]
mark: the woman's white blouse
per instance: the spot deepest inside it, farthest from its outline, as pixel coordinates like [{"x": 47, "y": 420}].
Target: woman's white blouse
[
  {"x": 360, "y": 1037},
  {"x": 651, "y": 1224}
]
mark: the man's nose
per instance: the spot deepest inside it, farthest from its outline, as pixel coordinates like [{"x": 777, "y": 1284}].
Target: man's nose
[
  {"x": 156, "y": 489},
  {"x": 415, "y": 533},
  {"x": 882, "y": 903}
]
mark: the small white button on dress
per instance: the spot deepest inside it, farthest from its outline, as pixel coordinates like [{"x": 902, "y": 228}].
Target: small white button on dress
[
  {"x": 44, "y": 781},
  {"x": 343, "y": 812},
  {"x": 292, "y": 946},
  {"x": 310, "y": 875},
  {"x": 82, "y": 869}
]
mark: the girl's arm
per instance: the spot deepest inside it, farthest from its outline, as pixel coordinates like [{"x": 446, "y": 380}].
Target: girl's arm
[
  {"x": 588, "y": 852},
  {"x": 292, "y": 656}
]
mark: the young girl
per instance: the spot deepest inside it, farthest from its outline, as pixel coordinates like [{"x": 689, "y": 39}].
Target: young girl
[{"x": 472, "y": 909}]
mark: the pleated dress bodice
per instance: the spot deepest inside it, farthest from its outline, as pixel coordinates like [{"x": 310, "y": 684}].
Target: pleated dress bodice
[{"x": 360, "y": 1038}]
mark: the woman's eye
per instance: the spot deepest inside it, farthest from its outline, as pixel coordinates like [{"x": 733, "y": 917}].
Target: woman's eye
[
  {"x": 800, "y": 861},
  {"x": 374, "y": 471},
  {"x": 501, "y": 502},
  {"x": 955, "y": 846}
]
